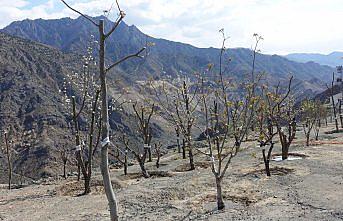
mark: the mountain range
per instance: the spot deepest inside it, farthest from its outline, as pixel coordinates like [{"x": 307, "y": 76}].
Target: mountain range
[
  {"x": 36, "y": 55},
  {"x": 333, "y": 59},
  {"x": 166, "y": 57}
]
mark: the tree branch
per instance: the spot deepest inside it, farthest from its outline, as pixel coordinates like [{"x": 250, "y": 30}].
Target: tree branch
[
  {"x": 83, "y": 15},
  {"x": 125, "y": 58},
  {"x": 116, "y": 23}
]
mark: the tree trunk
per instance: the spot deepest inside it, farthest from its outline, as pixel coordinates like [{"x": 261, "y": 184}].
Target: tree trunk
[
  {"x": 78, "y": 171},
  {"x": 308, "y": 139},
  {"x": 191, "y": 160},
  {"x": 326, "y": 121},
  {"x": 266, "y": 162},
  {"x": 88, "y": 164},
  {"x": 9, "y": 164},
  {"x": 183, "y": 149},
  {"x": 190, "y": 155},
  {"x": 336, "y": 124},
  {"x": 178, "y": 145},
  {"x": 285, "y": 148},
  {"x": 220, "y": 201},
  {"x": 334, "y": 109},
  {"x": 158, "y": 161},
  {"x": 340, "y": 112},
  {"x": 267, "y": 158},
  {"x": 87, "y": 185},
  {"x": 64, "y": 170},
  {"x": 112, "y": 201},
  {"x": 149, "y": 154},
  {"x": 125, "y": 164},
  {"x": 142, "y": 166}
]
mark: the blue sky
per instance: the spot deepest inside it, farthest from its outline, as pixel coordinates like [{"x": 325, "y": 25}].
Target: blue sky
[{"x": 286, "y": 25}]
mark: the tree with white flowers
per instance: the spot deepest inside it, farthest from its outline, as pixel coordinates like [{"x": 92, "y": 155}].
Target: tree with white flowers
[{"x": 105, "y": 127}]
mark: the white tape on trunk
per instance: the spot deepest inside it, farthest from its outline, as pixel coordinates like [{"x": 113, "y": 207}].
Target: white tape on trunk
[
  {"x": 147, "y": 146},
  {"x": 105, "y": 142},
  {"x": 78, "y": 148}
]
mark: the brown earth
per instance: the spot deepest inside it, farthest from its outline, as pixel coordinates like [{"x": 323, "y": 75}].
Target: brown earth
[{"x": 306, "y": 189}]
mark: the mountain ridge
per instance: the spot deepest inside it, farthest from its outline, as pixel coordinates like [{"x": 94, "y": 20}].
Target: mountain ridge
[
  {"x": 332, "y": 59},
  {"x": 166, "y": 57}
]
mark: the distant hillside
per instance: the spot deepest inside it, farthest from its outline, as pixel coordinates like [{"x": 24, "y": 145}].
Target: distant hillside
[
  {"x": 166, "y": 57},
  {"x": 31, "y": 75},
  {"x": 334, "y": 59}
]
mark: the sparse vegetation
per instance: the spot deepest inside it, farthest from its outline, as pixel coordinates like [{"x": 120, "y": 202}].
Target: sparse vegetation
[
  {"x": 188, "y": 139},
  {"x": 310, "y": 116},
  {"x": 282, "y": 113},
  {"x": 226, "y": 119}
]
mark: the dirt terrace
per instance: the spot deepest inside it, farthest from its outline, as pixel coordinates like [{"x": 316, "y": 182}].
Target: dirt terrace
[{"x": 307, "y": 189}]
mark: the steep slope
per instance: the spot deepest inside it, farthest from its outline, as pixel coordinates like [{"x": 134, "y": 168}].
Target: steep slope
[
  {"x": 31, "y": 75},
  {"x": 30, "y": 102},
  {"x": 166, "y": 57},
  {"x": 333, "y": 59}
]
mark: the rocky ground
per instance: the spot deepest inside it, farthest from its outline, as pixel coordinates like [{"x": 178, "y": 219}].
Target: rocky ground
[{"x": 310, "y": 188}]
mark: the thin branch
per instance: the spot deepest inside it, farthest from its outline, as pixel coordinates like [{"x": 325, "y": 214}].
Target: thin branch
[
  {"x": 83, "y": 15},
  {"x": 116, "y": 24},
  {"x": 125, "y": 58}
]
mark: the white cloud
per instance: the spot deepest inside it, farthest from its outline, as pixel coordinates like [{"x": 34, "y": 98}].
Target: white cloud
[
  {"x": 286, "y": 25},
  {"x": 19, "y": 9}
]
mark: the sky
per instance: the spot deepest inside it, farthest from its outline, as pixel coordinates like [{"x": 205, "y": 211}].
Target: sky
[{"x": 287, "y": 26}]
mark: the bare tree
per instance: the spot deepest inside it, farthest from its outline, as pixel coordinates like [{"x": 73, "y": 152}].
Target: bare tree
[
  {"x": 226, "y": 119},
  {"x": 64, "y": 152},
  {"x": 140, "y": 157},
  {"x": 86, "y": 166},
  {"x": 339, "y": 103},
  {"x": 179, "y": 102},
  {"x": 266, "y": 132},
  {"x": 144, "y": 115},
  {"x": 322, "y": 114},
  {"x": 282, "y": 112},
  {"x": 185, "y": 116},
  {"x": 158, "y": 153},
  {"x": 122, "y": 157},
  {"x": 333, "y": 100},
  {"x": 8, "y": 151},
  {"x": 104, "y": 104},
  {"x": 86, "y": 117},
  {"x": 310, "y": 116}
]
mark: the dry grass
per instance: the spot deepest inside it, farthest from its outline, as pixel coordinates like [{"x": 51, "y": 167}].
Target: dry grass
[
  {"x": 186, "y": 167},
  {"x": 76, "y": 188},
  {"x": 153, "y": 174},
  {"x": 274, "y": 171}
]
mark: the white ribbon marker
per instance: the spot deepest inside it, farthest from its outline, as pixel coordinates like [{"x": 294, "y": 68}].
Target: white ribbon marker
[
  {"x": 147, "y": 146},
  {"x": 78, "y": 148},
  {"x": 105, "y": 142}
]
